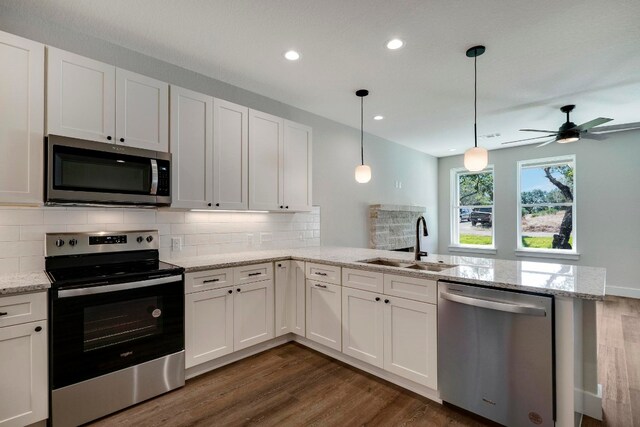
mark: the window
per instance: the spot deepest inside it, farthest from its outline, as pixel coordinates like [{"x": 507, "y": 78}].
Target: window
[
  {"x": 546, "y": 205},
  {"x": 472, "y": 208}
]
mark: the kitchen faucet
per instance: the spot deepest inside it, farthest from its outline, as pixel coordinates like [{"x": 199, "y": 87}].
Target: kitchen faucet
[{"x": 418, "y": 252}]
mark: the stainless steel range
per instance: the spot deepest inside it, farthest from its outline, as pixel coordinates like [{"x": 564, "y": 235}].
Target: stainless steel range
[{"x": 116, "y": 321}]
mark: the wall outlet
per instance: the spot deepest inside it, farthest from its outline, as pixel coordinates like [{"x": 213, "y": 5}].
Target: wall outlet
[
  {"x": 176, "y": 244},
  {"x": 266, "y": 237}
]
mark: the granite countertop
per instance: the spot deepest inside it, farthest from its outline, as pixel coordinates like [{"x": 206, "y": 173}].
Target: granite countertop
[
  {"x": 541, "y": 277},
  {"x": 18, "y": 283}
]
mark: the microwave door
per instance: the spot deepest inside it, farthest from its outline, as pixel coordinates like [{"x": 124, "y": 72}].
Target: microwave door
[{"x": 154, "y": 177}]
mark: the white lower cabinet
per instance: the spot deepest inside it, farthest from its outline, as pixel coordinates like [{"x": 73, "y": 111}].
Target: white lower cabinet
[
  {"x": 252, "y": 314},
  {"x": 324, "y": 314},
  {"x": 290, "y": 298},
  {"x": 208, "y": 325},
  {"x": 410, "y": 340},
  {"x": 23, "y": 352},
  {"x": 362, "y": 325}
]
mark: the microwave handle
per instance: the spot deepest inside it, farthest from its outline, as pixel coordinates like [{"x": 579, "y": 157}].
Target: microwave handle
[{"x": 154, "y": 177}]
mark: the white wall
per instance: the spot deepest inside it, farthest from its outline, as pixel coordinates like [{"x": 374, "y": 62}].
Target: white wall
[
  {"x": 336, "y": 149},
  {"x": 608, "y": 204},
  {"x": 202, "y": 233}
]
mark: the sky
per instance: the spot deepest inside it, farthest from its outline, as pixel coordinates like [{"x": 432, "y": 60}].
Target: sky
[{"x": 532, "y": 178}]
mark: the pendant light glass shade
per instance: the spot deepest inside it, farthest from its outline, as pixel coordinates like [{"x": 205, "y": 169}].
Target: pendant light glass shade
[
  {"x": 476, "y": 159},
  {"x": 363, "y": 174}
]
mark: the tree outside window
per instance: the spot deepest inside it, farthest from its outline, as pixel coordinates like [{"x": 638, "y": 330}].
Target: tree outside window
[
  {"x": 547, "y": 204},
  {"x": 472, "y": 215}
]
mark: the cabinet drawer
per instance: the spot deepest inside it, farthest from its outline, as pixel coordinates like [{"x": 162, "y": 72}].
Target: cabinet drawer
[
  {"x": 361, "y": 279},
  {"x": 410, "y": 287},
  {"x": 23, "y": 308},
  {"x": 323, "y": 272},
  {"x": 253, "y": 273},
  {"x": 210, "y": 279}
]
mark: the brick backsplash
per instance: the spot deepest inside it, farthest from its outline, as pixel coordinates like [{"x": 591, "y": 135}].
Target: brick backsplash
[{"x": 22, "y": 230}]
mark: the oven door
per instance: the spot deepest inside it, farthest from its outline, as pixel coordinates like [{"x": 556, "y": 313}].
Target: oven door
[
  {"x": 101, "y": 329},
  {"x": 91, "y": 172}
]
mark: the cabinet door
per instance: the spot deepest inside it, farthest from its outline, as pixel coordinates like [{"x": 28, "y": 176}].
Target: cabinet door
[
  {"x": 362, "y": 325},
  {"x": 22, "y": 119},
  {"x": 230, "y": 155},
  {"x": 24, "y": 387},
  {"x": 299, "y": 288},
  {"x": 324, "y": 320},
  {"x": 410, "y": 340},
  {"x": 253, "y": 320},
  {"x": 265, "y": 166},
  {"x": 297, "y": 166},
  {"x": 80, "y": 97},
  {"x": 208, "y": 325},
  {"x": 290, "y": 298},
  {"x": 142, "y": 111},
  {"x": 191, "y": 148}
]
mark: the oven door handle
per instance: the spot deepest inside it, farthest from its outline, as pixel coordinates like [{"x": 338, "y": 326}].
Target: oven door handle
[
  {"x": 66, "y": 293},
  {"x": 154, "y": 177}
]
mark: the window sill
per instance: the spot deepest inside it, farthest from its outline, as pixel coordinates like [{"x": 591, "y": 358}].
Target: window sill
[
  {"x": 473, "y": 249},
  {"x": 547, "y": 254}
]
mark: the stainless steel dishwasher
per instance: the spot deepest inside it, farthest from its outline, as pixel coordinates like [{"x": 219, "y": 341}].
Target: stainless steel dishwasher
[{"x": 496, "y": 353}]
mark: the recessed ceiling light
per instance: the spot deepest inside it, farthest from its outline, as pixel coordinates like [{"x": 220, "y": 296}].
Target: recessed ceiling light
[
  {"x": 453, "y": 149},
  {"x": 292, "y": 55},
  {"x": 394, "y": 44},
  {"x": 378, "y": 117}
]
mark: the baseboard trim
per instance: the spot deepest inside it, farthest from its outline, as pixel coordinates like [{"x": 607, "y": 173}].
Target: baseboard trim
[
  {"x": 588, "y": 403},
  {"x": 621, "y": 291}
]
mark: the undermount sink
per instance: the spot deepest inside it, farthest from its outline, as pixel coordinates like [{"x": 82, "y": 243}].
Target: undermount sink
[{"x": 424, "y": 266}]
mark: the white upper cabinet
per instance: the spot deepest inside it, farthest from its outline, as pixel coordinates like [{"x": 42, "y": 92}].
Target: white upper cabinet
[
  {"x": 266, "y": 134},
  {"x": 230, "y": 155},
  {"x": 297, "y": 166},
  {"x": 92, "y": 100},
  {"x": 142, "y": 111},
  {"x": 22, "y": 120},
  {"x": 80, "y": 97},
  {"x": 191, "y": 148}
]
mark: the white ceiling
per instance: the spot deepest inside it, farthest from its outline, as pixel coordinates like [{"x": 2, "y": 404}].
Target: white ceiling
[{"x": 541, "y": 54}]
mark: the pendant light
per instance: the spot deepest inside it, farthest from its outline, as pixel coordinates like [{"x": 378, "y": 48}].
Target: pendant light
[
  {"x": 363, "y": 172},
  {"x": 476, "y": 158}
]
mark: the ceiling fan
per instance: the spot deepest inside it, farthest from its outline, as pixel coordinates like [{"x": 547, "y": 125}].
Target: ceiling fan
[{"x": 570, "y": 132}]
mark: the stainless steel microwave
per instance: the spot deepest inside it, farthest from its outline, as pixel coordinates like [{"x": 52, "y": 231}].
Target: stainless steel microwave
[{"x": 94, "y": 173}]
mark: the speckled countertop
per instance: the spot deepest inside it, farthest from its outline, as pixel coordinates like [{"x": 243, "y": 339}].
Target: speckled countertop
[
  {"x": 542, "y": 277},
  {"x": 18, "y": 283}
]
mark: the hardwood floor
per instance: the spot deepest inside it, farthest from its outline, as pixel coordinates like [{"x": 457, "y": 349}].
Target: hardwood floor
[{"x": 293, "y": 385}]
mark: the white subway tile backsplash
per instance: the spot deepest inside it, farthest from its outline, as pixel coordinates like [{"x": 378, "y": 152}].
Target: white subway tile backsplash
[{"x": 22, "y": 230}]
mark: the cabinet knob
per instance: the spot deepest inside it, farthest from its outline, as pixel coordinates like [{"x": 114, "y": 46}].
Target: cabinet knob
[
  {"x": 387, "y": 301},
  {"x": 279, "y": 265},
  {"x": 286, "y": 207},
  {"x": 109, "y": 138},
  {"x": 121, "y": 139},
  {"x": 281, "y": 207},
  {"x": 377, "y": 298},
  {"x": 38, "y": 328},
  {"x": 238, "y": 289},
  {"x": 217, "y": 204},
  {"x": 208, "y": 204},
  {"x": 230, "y": 291}
]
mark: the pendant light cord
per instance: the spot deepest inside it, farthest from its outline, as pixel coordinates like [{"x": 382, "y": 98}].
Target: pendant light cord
[
  {"x": 362, "y": 130},
  {"x": 475, "y": 100}
]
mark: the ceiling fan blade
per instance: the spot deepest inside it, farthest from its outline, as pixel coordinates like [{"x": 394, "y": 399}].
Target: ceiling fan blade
[
  {"x": 538, "y": 130},
  {"x": 592, "y": 123},
  {"x": 547, "y": 142},
  {"x": 616, "y": 128},
  {"x": 528, "y": 139},
  {"x": 595, "y": 136}
]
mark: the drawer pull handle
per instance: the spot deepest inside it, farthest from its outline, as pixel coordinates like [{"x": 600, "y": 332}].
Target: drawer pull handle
[
  {"x": 210, "y": 280},
  {"x": 253, "y": 274},
  {"x": 3, "y": 313},
  {"x": 321, "y": 286},
  {"x": 317, "y": 273}
]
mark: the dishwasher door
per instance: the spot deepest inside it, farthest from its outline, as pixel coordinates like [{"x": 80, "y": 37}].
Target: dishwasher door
[{"x": 495, "y": 353}]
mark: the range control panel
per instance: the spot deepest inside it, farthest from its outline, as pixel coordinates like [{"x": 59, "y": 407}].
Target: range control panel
[{"x": 58, "y": 244}]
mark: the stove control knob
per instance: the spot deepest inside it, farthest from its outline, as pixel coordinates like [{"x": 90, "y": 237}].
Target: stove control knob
[
  {"x": 59, "y": 243},
  {"x": 149, "y": 239},
  {"x": 139, "y": 239},
  {"x": 73, "y": 242}
]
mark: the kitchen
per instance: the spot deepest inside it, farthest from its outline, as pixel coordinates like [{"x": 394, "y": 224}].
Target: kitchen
[{"x": 340, "y": 216}]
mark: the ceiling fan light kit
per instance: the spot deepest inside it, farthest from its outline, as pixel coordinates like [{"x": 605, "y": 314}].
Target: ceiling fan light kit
[
  {"x": 476, "y": 158},
  {"x": 363, "y": 172}
]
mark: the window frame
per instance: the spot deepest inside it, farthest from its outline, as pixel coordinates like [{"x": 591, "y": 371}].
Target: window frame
[
  {"x": 542, "y": 252},
  {"x": 454, "y": 217}
]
